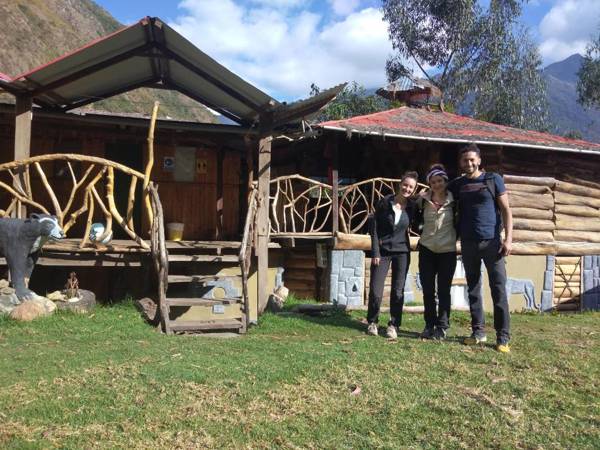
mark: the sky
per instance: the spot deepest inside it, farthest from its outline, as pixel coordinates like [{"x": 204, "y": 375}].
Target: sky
[{"x": 282, "y": 46}]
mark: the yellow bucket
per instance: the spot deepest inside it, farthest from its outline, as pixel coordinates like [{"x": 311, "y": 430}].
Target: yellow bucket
[{"x": 174, "y": 231}]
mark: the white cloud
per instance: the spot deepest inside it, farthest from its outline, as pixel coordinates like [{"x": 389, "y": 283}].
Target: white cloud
[
  {"x": 344, "y": 7},
  {"x": 567, "y": 28},
  {"x": 284, "y": 50}
]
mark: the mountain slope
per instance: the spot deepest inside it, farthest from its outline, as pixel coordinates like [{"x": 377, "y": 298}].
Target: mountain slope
[
  {"x": 34, "y": 32},
  {"x": 566, "y": 115}
]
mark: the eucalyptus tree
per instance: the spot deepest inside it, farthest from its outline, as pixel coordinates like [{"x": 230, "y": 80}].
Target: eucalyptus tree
[
  {"x": 588, "y": 84},
  {"x": 476, "y": 54}
]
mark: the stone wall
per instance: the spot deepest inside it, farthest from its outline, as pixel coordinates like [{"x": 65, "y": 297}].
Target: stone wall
[
  {"x": 590, "y": 297},
  {"x": 346, "y": 276}
]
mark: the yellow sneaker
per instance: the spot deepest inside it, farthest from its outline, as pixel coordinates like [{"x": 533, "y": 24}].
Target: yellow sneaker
[
  {"x": 502, "y": 345},
  {"x": 503, "y": 348},
  {"x": 475, "y": 339}
]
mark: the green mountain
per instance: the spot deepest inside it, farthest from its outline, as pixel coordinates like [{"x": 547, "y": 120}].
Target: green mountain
[{"x": 34, "y": 32}]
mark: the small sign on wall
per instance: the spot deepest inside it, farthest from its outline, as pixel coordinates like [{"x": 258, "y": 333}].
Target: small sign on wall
[
  {"x": 169, "y": 163},
  {"x": 201, "y": 166}
]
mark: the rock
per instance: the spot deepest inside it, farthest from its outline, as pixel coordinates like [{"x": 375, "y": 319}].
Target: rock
[
  {"x": 8, "y": 302},
  {"x": 282, "y": 292},
  {"x": 7, "y": 290},
  {"x": 275, "y": 303},
  {"x": 48, "y": 305},
  {"x": 85, "y": 303},
  {"x": 28, "y": 310},
  {"x": 56, "y": 296},
  {"x": 3, "y": 283}
]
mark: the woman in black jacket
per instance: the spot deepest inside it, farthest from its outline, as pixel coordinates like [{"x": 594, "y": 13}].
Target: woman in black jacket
[{"x": 390, "y": 245}]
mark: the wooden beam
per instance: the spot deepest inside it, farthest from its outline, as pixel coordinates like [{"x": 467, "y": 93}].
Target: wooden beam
[
  {"x": 335, "y": 205},
  {"x": 219, "y": 203},
  {"x": 262, "y": 219},
  {"x": 22, "y": 148},
  {"x": 23, "y": 116}
]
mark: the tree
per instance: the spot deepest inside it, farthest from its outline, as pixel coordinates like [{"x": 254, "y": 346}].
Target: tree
[
  {"x": 352, "y": 101},
  {"x": 588, "y": 84},
  {"x": 471, "y": 52}
]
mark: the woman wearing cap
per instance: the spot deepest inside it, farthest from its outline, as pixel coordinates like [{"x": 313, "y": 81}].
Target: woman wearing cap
[
  {"x": 437, "y": 252},
  {"x": 390, "y": 245}
]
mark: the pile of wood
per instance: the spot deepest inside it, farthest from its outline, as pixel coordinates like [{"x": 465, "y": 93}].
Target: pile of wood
[
  {"x": 577, "y": 211},
  {"x": 532, "y": 204}
]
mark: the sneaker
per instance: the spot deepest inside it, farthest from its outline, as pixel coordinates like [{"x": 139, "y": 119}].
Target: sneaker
[
  {"x": 372, "y": 329},
  {"x": 502, "y": 346},
  {"x": 391, "y": 332},
  {"x": 439, "y": 334},
  {"x": 475, "y": 339},
  {"x": 427, "y": 333}
]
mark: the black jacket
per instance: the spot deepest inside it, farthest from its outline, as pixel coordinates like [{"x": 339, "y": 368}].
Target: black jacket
[{"x": 384, "y": 234}]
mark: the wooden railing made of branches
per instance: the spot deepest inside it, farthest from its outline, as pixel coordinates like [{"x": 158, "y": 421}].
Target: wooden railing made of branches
[
  {"x": 300, "y": 205},
  {"x": 91, "y": 193}
]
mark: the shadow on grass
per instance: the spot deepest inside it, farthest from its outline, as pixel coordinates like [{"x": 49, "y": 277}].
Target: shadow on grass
[{"x": 335, "y": 318}]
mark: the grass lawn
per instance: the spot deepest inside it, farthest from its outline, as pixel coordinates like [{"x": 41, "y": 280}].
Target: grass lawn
[{"x": 109, "y": 380}]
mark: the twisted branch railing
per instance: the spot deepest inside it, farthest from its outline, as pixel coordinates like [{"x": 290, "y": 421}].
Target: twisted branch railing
[
  {"x": 300, "y": 205},
  {"x": 99, "y": 176},
  {"x": 248, "y": 242}
]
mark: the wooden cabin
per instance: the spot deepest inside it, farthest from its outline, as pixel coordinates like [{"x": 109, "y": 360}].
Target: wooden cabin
[
  {"x": 552, "y": 182},
  {"x": 134, "y": 176}
]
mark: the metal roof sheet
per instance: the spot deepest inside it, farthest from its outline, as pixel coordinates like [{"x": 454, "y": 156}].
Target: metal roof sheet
[{"x": 148, "y": 53}]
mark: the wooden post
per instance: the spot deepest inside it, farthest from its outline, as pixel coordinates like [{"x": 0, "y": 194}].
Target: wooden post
[
  {"x": 335, "y": 205},
  {"x": 23, "y": 117},
  {"x": 262, "y": 225},
  {"x": 219, "y": 228}
]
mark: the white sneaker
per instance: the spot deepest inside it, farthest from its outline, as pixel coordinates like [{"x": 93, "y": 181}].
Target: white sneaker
[
  {"x": 391, "y": 332},
  {"x": 372, "y": 329}
]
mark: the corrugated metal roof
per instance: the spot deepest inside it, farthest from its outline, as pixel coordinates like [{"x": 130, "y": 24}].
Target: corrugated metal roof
[
  {"x": 420, "y": 124},
  {"x": 148, "y": 53}
]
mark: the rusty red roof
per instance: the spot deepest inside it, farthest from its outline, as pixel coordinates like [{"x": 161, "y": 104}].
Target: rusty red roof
[{"x": 420, "y": 124}]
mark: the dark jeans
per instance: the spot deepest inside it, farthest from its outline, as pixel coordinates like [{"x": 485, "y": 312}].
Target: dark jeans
[
  {"x": 440, "y": 265},
  {"x": 473, "y": 252},
  {"x": 399, "y": 262}
]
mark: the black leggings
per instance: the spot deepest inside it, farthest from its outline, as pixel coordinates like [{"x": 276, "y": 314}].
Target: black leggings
[
  {"x": 440, "y": 265},
  {"x": 399, "y": 262}
]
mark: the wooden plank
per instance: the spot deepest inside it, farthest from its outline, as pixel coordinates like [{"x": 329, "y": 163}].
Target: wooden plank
[
  {"x": 535, "y": 201},
  {"x": 560, "y": 260},
  {"x": 567, "y": 222},
  {"x": 577, "y": 236},
  {"x": 202, "y": 301},
  {"x": 201, "y": 278},
  {"x": 335, "y": 206},
  {"x": 533, "y": 224},
  {"x": 535, "y": 236},
  {"x": 204, "y": 325},
  {"x": 537, "y": 181},
  {"x": 570, "y": 199},
  {"x": 22, "y": 146},
  {"x": 219, "y": 203},
  {"x": 85, "y": 261},
  {"x": 262, "y": 221},
  {"x": 577, "y": 210},
  {"x": 23, "y": 116},
  {"x": 531, "y": 213},
  {"x": 571, "y": 188},
  {"x": 203, "y": 258},
  {"x": 527, "y": 188}
]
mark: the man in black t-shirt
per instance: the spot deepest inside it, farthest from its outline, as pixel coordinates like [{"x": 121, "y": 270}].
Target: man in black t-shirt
[{"x": 483, "y": 207}]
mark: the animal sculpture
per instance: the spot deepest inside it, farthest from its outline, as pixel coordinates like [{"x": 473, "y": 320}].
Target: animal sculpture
[{"x": 21, "y": 241}]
